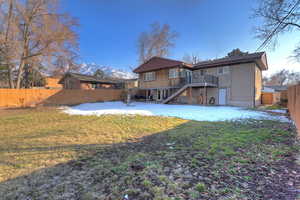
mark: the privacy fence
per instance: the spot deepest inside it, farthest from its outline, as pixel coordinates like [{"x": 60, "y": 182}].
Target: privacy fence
[
  {"x": 294, "y": 104},
  {"x": 33, "y": 97}
]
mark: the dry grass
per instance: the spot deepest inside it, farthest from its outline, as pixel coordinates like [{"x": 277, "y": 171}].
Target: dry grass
[
  {"x": 179, "y": 159},
  {"x": 37, "y": 138}
]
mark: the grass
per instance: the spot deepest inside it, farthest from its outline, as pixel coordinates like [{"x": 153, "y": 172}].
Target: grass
[
  {"x": 274, "y": 107},
  {"x": 108, "y": 157},
  {"x": 36, "y": 139}
]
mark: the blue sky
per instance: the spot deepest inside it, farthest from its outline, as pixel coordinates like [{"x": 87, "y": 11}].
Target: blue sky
[{"x": 109, "y": 29}]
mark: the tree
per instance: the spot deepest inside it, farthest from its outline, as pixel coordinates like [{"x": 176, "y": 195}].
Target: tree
[
  {"x": 32, "y": 77},
  {"x": 279, "y": 17},
  {"x": 8, "y": 39},
  {"x": 99, "y": 73},
  {"x": 282, "y": 77},
  {"x": 236, "y": 52},
  {"x": 156, "y": 42},
  {"x": 63, "y": 64},
  {"x": 191, "y": 58},
  {"x": 40, "y": 32}
]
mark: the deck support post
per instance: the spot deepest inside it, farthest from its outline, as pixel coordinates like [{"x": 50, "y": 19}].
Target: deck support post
[
  {"x": 190, "y": 95},
  {"x": 205, "y": 92}
]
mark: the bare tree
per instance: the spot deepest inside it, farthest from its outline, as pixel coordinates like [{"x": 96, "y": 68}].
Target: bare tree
[
  {"x": 278, "y": 16},
  {"x": 191, "y": 58},
  {"x": 33, "y": 32},
  {"x": 8, "y": 37},
  {"x": 44, "y": 33},
  {"x": 282, "y": 77},
  {"x": 63, "y": 64},
  {"x": 156, "y": 42}
]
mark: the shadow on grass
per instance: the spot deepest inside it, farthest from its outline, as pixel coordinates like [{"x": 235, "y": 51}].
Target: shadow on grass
[{"x": 191, "y": 161}]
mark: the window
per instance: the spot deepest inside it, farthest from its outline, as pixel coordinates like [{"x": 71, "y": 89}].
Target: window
[
  {"x": 223, "y": 70},
  {"x": 220, "y": 70},
  {"x": 202, "y": 72},
  {"x": 149, "y": 76},
  {"x": 173, "y": 73},
  {"x": 94, "y": 85},
  {"x": 226, "y": 69}
]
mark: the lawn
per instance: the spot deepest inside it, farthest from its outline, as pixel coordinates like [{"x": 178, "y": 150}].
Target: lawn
[{"x": 47, "y": 154}]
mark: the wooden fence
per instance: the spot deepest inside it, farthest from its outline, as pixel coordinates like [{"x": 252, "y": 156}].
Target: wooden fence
[
  {"x": 33, "y": 97},
  {"x": 294, "y": 104},
  {"x": 269, "y": 98}
]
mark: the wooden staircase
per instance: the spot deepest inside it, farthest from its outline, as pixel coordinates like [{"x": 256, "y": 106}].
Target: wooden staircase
[{"x": 178, "y": 92}]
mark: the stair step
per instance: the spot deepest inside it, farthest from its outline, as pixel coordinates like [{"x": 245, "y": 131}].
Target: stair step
[{"x": 176, "y": 93}]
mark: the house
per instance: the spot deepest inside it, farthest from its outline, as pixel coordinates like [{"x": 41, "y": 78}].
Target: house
[
  {"x": 276, "y": 88},
  {"x": 52, "y": 82},
  {"x": 87, "y": 82},
  {"x": 275, "y": 94},
  {"x": 130, "y": 83},
  {"x": 159, "y": 78},
  {"x": 235, "y": 81}
]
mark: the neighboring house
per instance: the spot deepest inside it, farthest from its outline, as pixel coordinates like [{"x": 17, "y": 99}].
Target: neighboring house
[
  {"x": 130, "y": 83},
  {"x": 277, "y": 88},
  {"x": 274, "y": 94},
  {"x": 233, "y": 81},
  {"x": 53, "y": 82},
  {"x": 87, "y": 82}
]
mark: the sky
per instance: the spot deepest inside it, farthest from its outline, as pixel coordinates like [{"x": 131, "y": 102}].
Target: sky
[{"x": 109, "y": 30}]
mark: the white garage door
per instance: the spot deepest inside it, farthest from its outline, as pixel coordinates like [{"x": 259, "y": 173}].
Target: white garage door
[{"x": 222, "y": 96}]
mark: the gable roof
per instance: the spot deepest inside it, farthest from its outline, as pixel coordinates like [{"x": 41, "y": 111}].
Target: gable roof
[
  {"x": 259, "y": 58},
  {"x": 156, "y": 63},
  {"x": 87, "y": 78}
]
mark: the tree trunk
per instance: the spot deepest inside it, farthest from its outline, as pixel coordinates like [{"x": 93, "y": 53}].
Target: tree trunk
[
  {"x": 20, "y": 73},
  {"x": 10, "y": 78}
]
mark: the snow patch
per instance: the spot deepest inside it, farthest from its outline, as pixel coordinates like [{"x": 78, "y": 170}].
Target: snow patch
[
  {"x": 189, "y": 112},
  {"x": 279, "y": 111}
]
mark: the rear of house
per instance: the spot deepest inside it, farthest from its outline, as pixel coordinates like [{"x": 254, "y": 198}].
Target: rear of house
[{"x": 235, "y": 81}]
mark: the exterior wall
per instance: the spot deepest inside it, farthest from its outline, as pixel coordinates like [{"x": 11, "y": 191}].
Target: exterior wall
[
  {"x": 242, "y": 90},
  {"x": 213, "y": 92},
  {"x": 197, "y": 96},
  {"x": 162, "y": 80},
  {"x": 258, "y": 86},
  {"x": 131, "y": 84},
  {"x": 86, "y": 86},
  {"x": 270, "y": 98},
  {"x": 243, "y": 83},
  {"x": 294, "y": 105},
  {"x": 71, "y": 83},
  {"x": 52, "y": 83}
]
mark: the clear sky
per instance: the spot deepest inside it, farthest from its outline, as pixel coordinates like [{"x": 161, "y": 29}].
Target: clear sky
[{"x": 109, "y": 29}]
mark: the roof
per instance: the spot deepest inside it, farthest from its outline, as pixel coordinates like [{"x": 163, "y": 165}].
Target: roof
[
  {"x": 277, "y": 87},
  {"x": 156, "y": 63},
  {"x": 259, "y": 58},
  {"x": 87, "y": 78}
]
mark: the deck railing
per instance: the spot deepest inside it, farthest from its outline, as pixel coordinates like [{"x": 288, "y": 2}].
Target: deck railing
[
  {"x": 197, "y": 78},
  {"x": 205, "y": 79}
]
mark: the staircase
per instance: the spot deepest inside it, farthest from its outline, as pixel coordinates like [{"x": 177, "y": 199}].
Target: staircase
[{"x": 178, "y": 92}]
